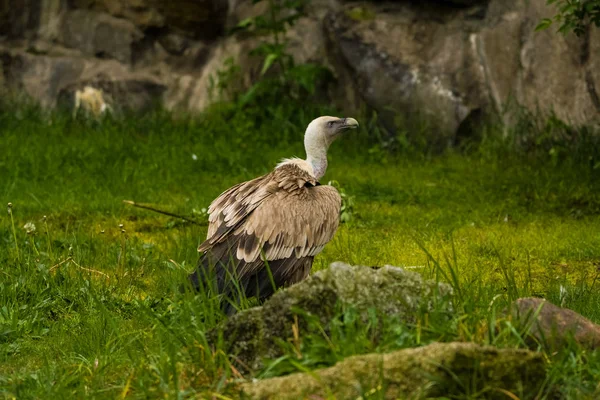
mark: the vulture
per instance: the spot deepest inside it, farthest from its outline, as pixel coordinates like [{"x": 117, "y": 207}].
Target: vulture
[{"x": 264, "y": 233}]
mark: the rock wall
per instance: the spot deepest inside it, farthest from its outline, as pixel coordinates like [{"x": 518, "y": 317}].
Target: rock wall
[{"x": 442, "y": 61}]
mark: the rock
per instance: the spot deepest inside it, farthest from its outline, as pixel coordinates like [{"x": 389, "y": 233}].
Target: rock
[
  {"x": 441, "y": 64},
  {"x": 141, "y": 12},
  {"x": 40, "y": 77},
  {"x": 133, "y": 93},
  {"x": 406, "y": 60},
  {"x": 446, "y": 65},
  {"x": 444, "y": 370},
  {"x": 554, "y": 326},
  {"x": 253, "y": 334},
  {"x": 543, "y": 71},
  {"x": 124, "y": 90},
  {"x": 53, "y": 79},
  {"x": 100, "y": 35},
  {"x": 195, "y": 18},
  {"x": 194, "y": 89},
  {"x": 173, "y": 43},
  {"x": 466, "y": 2},
  {"x": 27, "y": 19},
  {"x": 200, "y": 19}
]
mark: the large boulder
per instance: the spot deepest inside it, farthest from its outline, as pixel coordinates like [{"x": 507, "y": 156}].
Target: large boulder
[
  {"x": 439, "y": 370},
  {"x": 410, "y": 61},
  {"x": 390, "y": 291},
  {"x": 544, "y": 71}
]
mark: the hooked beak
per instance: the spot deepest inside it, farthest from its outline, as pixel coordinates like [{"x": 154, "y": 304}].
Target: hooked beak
[{"x": 349, "y": 123}]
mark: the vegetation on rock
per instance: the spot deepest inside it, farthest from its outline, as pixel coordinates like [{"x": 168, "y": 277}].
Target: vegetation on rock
[
  {"x": 447, "y": 370},
  {"x": 573, "y": 15}
]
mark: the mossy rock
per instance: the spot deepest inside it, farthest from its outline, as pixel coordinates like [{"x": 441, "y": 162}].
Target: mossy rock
[
  {"x": 447, "y": 370},
  {"x": 253, "y": 335}
]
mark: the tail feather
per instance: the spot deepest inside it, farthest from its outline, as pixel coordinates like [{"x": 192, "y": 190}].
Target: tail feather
[{"x": 220, "y": 276}]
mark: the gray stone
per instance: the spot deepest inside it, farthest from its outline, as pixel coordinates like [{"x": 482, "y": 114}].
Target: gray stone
[
  {"x": 544, "y": 71},
  {"x": 100, "y": 35},
  {"x": 193, "y": 89},
  {"x": 28, "y": 19},
  {"x": 390, "y": 291},
  {"x": 447, "y": 370},
  {"x": 53, "y": 79},
  {"x": 40, "y": 77},
  {"x": 173, "y": 43},
  {"x": 408, "y": 61},
  {"x": 142, "y": 13},
  {"x": 199, "y": 19},
  {"x": 134, "y": 93}
]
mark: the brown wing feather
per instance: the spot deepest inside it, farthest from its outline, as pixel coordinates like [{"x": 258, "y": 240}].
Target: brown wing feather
[
  {"x": 234, "y": 205},
  {"x": 278, "y": 216}
]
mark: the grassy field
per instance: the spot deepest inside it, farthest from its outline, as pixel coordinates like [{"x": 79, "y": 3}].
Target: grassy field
[{"x": 89, "y": 300}]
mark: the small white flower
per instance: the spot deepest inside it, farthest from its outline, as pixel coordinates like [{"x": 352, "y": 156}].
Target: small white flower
[
  {"x": 29, "y": 227},
  {"x": 194, "y": 157},
  {"x": 563, "y": 295}
]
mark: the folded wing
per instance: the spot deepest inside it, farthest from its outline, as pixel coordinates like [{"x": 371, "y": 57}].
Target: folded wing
[{"x": 280, "y": 220}]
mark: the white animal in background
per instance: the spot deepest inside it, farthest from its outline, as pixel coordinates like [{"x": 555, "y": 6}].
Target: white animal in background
[{"x": 91, "y": 101}]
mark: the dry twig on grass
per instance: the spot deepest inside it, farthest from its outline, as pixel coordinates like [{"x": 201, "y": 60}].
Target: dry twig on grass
[
  {"x": 152, "y": 208},
  {"x": 70, "y": 259}
]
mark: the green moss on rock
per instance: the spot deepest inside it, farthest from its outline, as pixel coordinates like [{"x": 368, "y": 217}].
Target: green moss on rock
[
  {"x": 253, "y": 335},
  {"x": 440, "y": 369}
]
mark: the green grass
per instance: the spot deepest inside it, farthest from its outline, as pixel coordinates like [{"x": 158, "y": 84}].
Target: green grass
[{"x": 90, "y": 308}]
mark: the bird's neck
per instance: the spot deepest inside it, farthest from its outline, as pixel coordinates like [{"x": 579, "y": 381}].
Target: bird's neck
[
  {"x": 316, "y": 145},
  {"x": 318, "y": 160}
]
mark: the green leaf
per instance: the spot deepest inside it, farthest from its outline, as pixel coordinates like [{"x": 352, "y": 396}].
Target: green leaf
[
  {"x": 271, "y": 58},
  {"x": 246, "y": 22},
  {"x": 544, "y": 24},
  {"x": 249, "y": 95}
]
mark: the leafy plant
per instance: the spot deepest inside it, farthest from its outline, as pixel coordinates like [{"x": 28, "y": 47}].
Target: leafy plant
[
  {"x": 347, "y": 208},
  {"x": 280, "y": 76},
  {"x": 573, "y": 15},
  {"x": 221, "y": 86}
]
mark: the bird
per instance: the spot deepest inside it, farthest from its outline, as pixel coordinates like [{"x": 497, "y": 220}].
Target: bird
[{"x": 264, "y": 234}]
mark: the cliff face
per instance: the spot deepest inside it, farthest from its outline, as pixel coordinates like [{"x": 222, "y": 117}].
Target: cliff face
[{"x": 446, "y": 60}]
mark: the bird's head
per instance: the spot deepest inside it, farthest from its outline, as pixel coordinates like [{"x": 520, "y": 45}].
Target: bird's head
[
  {"x": 324, "y": 130},
  {"x": 320, "y": 133}
]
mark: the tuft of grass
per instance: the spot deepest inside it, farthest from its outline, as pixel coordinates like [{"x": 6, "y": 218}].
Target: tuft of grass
[{"x": 90, "y": 305}]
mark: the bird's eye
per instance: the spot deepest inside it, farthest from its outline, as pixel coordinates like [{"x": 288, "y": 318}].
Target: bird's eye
[{"x": 330, "y": 124}]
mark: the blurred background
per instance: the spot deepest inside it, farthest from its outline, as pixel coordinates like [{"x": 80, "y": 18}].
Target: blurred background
[{"x": 446, "y": 62}]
